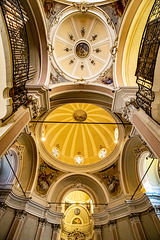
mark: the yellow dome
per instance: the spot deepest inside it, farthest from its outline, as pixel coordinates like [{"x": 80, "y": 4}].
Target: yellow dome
[{"x": 76, "y": 142}]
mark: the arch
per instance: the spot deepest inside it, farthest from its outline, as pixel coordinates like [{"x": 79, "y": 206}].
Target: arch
[
  {"x": 151, "y": 181},
  {"x": 82, "y": 182},
  {"x": 129, "y": 41},
  {"x": 38, "y": 42},
  {"x": 27, "y": 152},
  {"x": 128, "y": 166}
]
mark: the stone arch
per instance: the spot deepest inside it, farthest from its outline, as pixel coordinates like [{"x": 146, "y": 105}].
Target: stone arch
[
  {"x": 130, "y": 179},
  {"x": 129, "y": 41},
  {"x": 73, "y": 182},
  {"x": 27, "y": 152},
  {"x": 151, "y": 182}
]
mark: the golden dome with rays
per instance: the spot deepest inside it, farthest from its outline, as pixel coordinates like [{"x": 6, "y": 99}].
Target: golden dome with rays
[{"x": 78, "y": 138}]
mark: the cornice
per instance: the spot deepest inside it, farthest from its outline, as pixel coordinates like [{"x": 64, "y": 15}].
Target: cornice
[
  {"x": 33, "y": 208},
  {"x": 123, "y": 210}
]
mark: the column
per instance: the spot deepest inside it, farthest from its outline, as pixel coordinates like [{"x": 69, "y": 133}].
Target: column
[
  {"x": 154, "y": 218},
  {"x": 137, "y": 228},
  {"x": 113, "y": 229},
  {"x": 97, "y": 232},
  {"x": 41, "y": 226},
  {"x": 3, "y": 208},
  {"x": 55, "y": 232},
  {"x": 17, "y": 225}
]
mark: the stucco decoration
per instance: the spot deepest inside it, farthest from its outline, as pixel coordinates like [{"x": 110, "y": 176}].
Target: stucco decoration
[
  {"x": 76, "y": 235},
  {"x": 46, "y": 177},
  {"x": 110, "y": 177}
]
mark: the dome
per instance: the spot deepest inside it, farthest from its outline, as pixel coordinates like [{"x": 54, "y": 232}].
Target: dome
[{"x": 83, "y": 137}]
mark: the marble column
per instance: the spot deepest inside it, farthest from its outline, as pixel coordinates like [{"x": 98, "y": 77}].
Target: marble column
[
  {"x": 137, "y": 228},
  {"x": 17, "y": 225},
  {"x": 155, "y": 219},
  {"x": 97, "y": 232},
  {"x": 3, "y": 208},
  {"x": 55, "y": 232},
  {"x": 113, "y": 229},
  {"x": 41, "y": 226}
]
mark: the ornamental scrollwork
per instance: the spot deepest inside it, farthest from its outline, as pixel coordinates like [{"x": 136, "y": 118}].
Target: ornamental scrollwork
[{"x": 83, "y": 7}]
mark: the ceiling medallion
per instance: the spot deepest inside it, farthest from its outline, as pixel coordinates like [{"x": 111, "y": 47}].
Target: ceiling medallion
[
  {"x": 102, "y": 153},
  {"x": 79, "y": 158},
  {"x": 82, "y": 49},
  {"x": 77, "y": 211},
  {"x": 80, "y": 115}
]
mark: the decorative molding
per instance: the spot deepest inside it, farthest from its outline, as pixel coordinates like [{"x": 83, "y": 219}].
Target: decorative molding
[
  {"x": 112, "y": 224},
  {"x": 83, "y": 31},
  {"x": 20, "y": 214},
  {"x": 94, "y": 37},
  {"x": 56, "y": 227},
  {"x": 83, "y": 7},
  {"x": 19, "y": 149},
  {"x": 130, "y": 106},
  {"x": 114, "y": 49},
  {"x": 81, "y": 81},
  {"x": 42, "y": 222},
  {"x": 134, "y": 217},
  {"x": 78, "y": 184}
]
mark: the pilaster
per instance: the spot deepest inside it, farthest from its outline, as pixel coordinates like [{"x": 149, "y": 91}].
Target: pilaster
[
  {"x": 3, "y": 208},
  {"x": 137, "y": 228},
  {"x": 113, "y": 229},
  {"x": 17, "y": 225},
  {"x": 155, "y": 219},
  {"x": 41, "y": 226},
  {"x": 55, "y": 232},
  {"x": 97, "y": 232}
]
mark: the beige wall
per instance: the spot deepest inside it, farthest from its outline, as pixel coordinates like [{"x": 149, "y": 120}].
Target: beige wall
[
  {"x": 29, "y": 228},
  {"x": 125, "y": 232},
  {"x": 106, "y": 232},
  {"x": 6, "y": 222},
  {"x": 124, "y": 229},
  {"x": 149, "y": 227}
]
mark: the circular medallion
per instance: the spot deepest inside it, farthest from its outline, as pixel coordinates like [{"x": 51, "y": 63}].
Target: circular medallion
[
  {"x": 82, "y": 50},
  {"x": 80, "y": 115},
  {"x": 77, "y": 211}
]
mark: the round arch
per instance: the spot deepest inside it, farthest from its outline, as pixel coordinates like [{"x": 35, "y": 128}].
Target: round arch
[
  {"x": 129, "y": 41},
  {"x": 133, "y": 148},
  {"x": 81, "y": 182}
]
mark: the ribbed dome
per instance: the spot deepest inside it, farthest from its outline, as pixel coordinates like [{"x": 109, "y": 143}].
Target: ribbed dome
[
  {"x": 64, "y": 141},
  {"x": 77, "y": 197}
]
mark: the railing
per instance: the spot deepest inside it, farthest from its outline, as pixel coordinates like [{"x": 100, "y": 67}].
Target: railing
[
  {"x": 147, "y": 59},
  {"x": 16, "y": 18}
]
